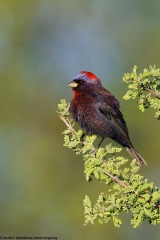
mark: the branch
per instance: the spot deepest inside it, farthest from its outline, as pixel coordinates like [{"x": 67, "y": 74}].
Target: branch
[
  {"x": 116, "y": 179},
  {"x": 156, "y": 94},
  {"x": 149, "y": 81},
  {"x": 67, "y": 124}
]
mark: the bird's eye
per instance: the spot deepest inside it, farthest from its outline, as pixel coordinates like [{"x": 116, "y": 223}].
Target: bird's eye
[{"x": 83, "y": 82}]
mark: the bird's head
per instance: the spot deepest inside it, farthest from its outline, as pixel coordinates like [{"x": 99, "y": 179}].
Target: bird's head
[{"x": 83, "y": 81}]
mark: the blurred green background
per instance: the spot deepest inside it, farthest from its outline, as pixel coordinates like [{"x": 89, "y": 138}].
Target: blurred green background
[{"x": 43, "y": 45}]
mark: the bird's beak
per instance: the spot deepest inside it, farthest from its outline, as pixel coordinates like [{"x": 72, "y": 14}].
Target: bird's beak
[{"x": 73, "y": 84}]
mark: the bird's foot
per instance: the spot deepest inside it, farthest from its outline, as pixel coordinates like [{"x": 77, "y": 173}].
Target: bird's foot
[
  {"x": 82, "y": 137},
  {"x": 100, "y": 143}
]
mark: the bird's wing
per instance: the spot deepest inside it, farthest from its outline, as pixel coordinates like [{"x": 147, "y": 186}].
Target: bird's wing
[
  {"x": 116, "y": 120},
  {"x": 108, "y": 98}
]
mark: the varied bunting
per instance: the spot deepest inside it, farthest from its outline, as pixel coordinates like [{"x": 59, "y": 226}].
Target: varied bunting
[{"x": 97, "y": 111}]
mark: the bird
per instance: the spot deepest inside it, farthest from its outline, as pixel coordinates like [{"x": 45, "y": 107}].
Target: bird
[{"x": 97, "y": 111}]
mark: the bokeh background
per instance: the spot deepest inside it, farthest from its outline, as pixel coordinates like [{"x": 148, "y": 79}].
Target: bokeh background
[{"x": 43, "y": 45}]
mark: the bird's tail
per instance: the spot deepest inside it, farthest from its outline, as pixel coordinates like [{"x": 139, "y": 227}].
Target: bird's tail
[{"x": 132, "y": 151}]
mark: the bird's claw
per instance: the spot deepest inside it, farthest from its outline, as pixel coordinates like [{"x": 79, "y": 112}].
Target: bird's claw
[{"x": 82, "y": 137}]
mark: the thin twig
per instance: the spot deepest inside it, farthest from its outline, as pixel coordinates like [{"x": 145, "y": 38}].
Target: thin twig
[
  {"x": 157, "y": 94},
  {"x": 116, "y": 179},
  {"x": 67, "y": 124}
]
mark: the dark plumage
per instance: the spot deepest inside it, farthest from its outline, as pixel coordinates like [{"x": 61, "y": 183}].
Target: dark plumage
[{"x": 98, "y": 112}]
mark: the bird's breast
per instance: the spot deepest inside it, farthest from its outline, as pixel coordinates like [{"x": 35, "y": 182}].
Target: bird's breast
[{"x": 90, "y": 119}]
